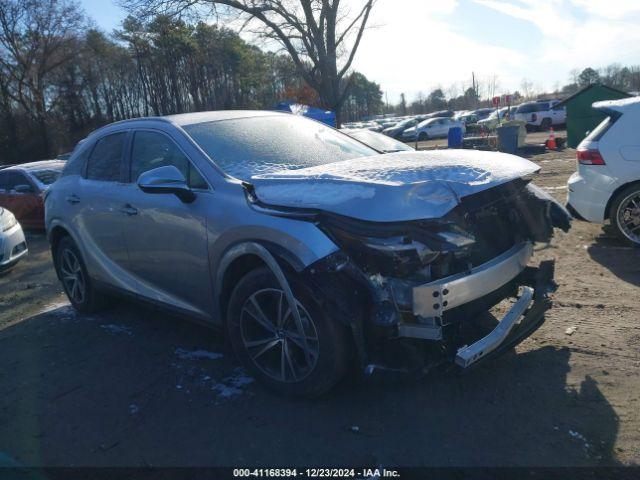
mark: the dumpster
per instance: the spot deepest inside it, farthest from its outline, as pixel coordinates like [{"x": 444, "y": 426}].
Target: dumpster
[
  {"x": 508, "y": 138},
  {"x": 455, "y": 137}
]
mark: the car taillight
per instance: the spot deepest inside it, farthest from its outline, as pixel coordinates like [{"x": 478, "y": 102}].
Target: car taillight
[
  {"x": 534, "y": 117},
  {"x": 590, "y": 157}
]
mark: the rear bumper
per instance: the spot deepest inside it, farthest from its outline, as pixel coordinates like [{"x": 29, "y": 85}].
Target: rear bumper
[{"x": 589, "y": 193}]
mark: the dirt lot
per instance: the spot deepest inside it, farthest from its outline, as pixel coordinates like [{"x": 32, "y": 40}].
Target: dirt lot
[{"x": 136, "y": 387}]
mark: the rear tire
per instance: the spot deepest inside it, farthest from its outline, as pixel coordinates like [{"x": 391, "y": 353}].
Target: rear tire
[
  {"x": 625, "y": 215},
  {"x": 75, "y": 280},
  {"x": 301, "y": 361}
]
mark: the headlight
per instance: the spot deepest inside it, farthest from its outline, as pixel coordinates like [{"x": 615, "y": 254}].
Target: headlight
[
  {"x": 398, "y": 254},
  {"x": 7, "y": 221}
]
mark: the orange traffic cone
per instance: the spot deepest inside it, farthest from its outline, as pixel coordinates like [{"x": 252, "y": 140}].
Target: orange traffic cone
[{"x": 551, "y": 143}]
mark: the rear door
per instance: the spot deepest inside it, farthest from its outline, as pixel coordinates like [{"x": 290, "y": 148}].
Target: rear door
[
  {"x": 98, "y": 202},
  {"x": 440, "y": 128},
  {"x": 167, "y": 238}
]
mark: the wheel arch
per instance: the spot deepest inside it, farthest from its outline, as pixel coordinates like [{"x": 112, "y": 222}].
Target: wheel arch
[
  {"x": 243, "y": 258},
  {"x": 614, "y": 195}
]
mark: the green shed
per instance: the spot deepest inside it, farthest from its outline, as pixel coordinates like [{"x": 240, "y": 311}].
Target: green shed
[{"x": 581, "y": 118}]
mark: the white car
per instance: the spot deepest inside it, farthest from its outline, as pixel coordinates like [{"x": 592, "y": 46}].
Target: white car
[
  {"x": 541, "y": 115},
  {"x": 493, "y": 121},
  {"x": 607, "y": 183},
  {"x": 13, "y": 245},
  {"x": 435, "y": 128}
]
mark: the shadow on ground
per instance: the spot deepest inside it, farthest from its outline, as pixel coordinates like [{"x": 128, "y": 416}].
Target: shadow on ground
[
  {"x": 617, "y": 256},
  {"x": 135, "y": 387}
]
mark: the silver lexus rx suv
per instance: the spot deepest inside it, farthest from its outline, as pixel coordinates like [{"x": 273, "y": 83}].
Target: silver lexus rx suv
[{"x": 312, "y": 251}]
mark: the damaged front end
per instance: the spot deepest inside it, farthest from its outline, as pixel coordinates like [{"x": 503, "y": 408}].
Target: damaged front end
[{"x": 408, "y": 285}]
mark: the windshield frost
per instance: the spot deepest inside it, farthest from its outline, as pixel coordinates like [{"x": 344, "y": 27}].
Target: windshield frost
[{"x": 251, "y": 146}]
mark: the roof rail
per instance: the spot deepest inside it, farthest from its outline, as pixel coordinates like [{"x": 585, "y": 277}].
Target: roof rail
[{"x": 130, "y": 120}]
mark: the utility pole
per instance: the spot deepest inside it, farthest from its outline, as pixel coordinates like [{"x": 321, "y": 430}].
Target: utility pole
[{"x": 475, "y": 89}]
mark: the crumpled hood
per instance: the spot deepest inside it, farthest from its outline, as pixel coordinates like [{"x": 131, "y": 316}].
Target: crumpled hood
[{"x": 394, "y": 187}]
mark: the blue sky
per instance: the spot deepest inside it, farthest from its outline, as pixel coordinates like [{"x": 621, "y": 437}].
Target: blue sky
[{"x": 416, "y": 45}]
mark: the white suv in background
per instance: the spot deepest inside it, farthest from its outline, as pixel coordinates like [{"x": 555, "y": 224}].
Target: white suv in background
[
  {"x": 607, "y": 183},
  {"x": 434, "y": 128},
  {"x": 540, "y": 115}
]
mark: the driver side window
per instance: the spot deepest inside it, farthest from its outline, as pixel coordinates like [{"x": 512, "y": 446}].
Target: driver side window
[{"x": 152, "y": 150}]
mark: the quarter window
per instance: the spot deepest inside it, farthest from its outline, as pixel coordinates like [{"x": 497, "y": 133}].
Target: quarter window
[
  {"x": 152, "y": 150},
  {"x": 104, "y": 162}
]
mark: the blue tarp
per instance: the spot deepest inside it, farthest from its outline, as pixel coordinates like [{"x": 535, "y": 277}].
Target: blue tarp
[{"x": 324, "y": 116}]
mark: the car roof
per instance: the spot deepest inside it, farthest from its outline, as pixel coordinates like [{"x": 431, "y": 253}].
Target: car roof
[
  {"x": 183, "y": 119},
  {"x": 40, "y": 165},
  {"x": 621, "y": 105}
]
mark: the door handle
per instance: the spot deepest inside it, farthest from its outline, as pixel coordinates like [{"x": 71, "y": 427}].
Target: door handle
[
  {"x": 73, "y": 199},
  {"x": 129, "y": 210}
]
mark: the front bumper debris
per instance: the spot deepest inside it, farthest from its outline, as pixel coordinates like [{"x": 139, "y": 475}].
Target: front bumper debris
[
  {"x": 522, "y": 319},
  {"x": 468, "y": 355},
  {"x": 433, "y": 299}
]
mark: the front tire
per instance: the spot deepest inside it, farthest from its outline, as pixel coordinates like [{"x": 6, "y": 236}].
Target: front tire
[
  {"x": 625, "y": 215},
  {"x": 76, "y": 282},
  {"x": 423, "y": 137},
  {"x": 302, "y": 360}
]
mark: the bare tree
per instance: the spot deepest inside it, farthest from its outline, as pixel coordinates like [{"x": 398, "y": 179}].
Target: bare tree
[
  {"x": 321, "y": 36},
  {"x": 527, "y": 88},
  {"x": 36, "y": 38}
]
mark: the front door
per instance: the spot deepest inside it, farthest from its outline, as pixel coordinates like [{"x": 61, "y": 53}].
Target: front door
[
  {"x": 167, "y": 238},
  {"x": 97, "y": 199}
]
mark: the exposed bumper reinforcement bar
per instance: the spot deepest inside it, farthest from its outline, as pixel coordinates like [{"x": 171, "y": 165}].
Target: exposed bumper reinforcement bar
[
  {"x": 470, "y": 354},
  {"x": 432, "y": 299}
]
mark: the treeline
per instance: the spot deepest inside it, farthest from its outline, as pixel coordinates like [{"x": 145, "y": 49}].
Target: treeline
[
  {"x": 478, "y": 95},
  {"x": 60, "y": 78}
]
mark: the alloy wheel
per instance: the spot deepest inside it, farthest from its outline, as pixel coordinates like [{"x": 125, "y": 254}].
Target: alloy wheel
[
  {"x": 628, "y": 217},
  {"x": 277, "y": 344},
  {"x": 72, "y": 276}
]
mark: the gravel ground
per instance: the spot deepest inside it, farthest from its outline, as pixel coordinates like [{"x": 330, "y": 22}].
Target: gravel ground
[{"x": 133, "y": 386}]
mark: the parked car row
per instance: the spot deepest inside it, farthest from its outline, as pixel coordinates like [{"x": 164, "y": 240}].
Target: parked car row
[{"x": 536, "y": 115}]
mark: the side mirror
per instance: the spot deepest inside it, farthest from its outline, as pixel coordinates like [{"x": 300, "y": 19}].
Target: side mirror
[
  {"x": 23, "y": 188},
  {"x": 167, "y": 179}
]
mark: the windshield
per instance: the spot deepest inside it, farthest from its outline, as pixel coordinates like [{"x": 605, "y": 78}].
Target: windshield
[
  {"x": 380, "y": 142},
  {"x": 407, "y": 123},
  {"x": 46, "y": 177},
  {"x": 250, "y": 146}
]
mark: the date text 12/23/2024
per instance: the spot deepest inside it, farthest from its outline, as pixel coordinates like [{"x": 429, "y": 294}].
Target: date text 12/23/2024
[{"x": 365, "y": 473}]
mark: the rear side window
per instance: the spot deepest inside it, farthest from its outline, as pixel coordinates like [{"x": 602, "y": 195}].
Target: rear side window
[
  {"x": 152, "y": 150},
  {"x": 104, "y": 161},
  {"x": 602, "y": 128},
  {"x": 533, "y": 107}
]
